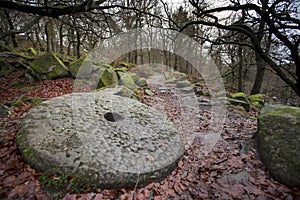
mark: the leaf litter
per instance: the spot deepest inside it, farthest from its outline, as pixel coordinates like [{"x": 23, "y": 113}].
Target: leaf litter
[{"x": 231, "y": 170}]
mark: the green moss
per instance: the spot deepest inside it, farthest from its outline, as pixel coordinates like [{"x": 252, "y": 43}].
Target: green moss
[
  {"x": 257, "y": 105},
  {"x": 281, "y": 111},
  {"x": 32, "y": 51},
  {"x": 256, "y": 98},
  {"x": 239, "y": 94},
  {"x": 107, "y": 77}
]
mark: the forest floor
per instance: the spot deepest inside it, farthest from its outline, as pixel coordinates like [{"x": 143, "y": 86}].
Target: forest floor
[{"x": 231, "y": 170}]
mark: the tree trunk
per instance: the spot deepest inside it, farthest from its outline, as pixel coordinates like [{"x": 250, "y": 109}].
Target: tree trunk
[
  {"x": 260, "y": 72},
  {"x": 240, "y": 69},
  {"x": 11, "y": 27}
]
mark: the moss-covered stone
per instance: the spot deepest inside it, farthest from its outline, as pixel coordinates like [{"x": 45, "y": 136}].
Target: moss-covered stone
[
  {"x": 75, "y": 66},
  {"x": 240, "y": 99},
  {"x": 49, "y": 66},
  {"x": 108, "y": 77},
  {"x": 182, "y": 84},
  {"x": 257, "y": 100},
  {"x": 141, "y": 82},
  {"x": 126, "y": 80},
  {"x": 278, "y": 142},
  {"x": 149, "y": 92},
  {"x": 244, "y": 104},
  {"x": 239, "y": 96}
]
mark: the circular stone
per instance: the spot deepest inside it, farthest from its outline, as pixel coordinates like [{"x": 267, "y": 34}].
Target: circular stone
[{"x": 100, "y": 138}]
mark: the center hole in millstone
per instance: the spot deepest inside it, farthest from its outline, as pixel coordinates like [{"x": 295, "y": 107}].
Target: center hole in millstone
[{"x": 113, "y": 117}]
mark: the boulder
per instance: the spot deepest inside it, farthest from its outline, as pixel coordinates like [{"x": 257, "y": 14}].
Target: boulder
[
  {"x": 240, "y": 96},
  {"x": 126, "y": 80},
  {"x": 75, "y": 66},
  {"x": 257, "y": 100},
  {"x": 240, "y": 99},
  {"x": 141, "y": 82},
  {"x": 108, "y": 77},
  {"x": 182, "y": 84},
  {"x": 49, "y": 66},
  {"x": 278, "y": 142},
  {"x": 100, "y": 139}
]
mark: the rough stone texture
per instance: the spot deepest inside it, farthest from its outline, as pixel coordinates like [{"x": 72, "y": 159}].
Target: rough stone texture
[
  {"x": 126, "y": 80},
  {"x": 278, "y": 142},
  {"x": 48, "y": 66},
  {"x": 101, "y": 139},
  {"x": 108, "y": 77},
  {"x": 75, "y": 66},
  {"x": 182, "y": 84}
]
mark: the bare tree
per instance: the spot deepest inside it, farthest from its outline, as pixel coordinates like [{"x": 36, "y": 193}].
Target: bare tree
[{"x": 278, "y": 19}]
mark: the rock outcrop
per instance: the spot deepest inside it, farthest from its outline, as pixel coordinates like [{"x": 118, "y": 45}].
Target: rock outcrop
[
  {"x": 49, "y": 66},
  {"x": 278, "y": 142}
]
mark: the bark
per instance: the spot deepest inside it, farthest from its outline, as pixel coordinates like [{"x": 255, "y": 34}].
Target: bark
[
  {"x": 240, "y": 69},
  {"x": 260, "y": 72}
]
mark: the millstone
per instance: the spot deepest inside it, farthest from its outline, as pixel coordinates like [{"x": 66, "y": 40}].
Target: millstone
[{"x": 100, "y": 138}]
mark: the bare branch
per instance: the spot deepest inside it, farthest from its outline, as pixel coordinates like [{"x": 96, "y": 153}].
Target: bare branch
[{"x": 22, "y": 29}]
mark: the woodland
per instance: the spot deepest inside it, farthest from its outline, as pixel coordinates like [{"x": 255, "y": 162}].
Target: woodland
[{"x": 254, "y": 44}]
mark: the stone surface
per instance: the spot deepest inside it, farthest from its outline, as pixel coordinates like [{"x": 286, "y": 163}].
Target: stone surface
[
  {"x": 100, "y": 138},
  {"x": 108, "y": 77},
  {"x": 182, "y": 84},
  {"x": 75, "y": 66},
  {"x": 278, "y": 142},
  {"x": 49, "y": 66},
  {"x": 126, "y": 80}
]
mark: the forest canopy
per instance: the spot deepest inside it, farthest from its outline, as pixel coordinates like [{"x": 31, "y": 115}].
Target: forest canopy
[{"x": 241, "y": 36}]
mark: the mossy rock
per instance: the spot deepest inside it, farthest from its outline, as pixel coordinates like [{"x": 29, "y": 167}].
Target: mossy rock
[
  {"x": 223, "y": 94},
  {"x": 172, "y": 80},
  {"x": 126, "y": 65},
  {"x": 121, "y": 69},
  {"x": 237, "y": 102},
  {"x": 182, "y": 84},
  {"x": 49, "y": 66},
  {"x": 5, "y": 68},
  {"x": 75, "y": 66},
  {"x": 278, "y": 142},
  {"x": 257, "y": 100},
  {"x": 240, "y": 96},
  {"x": 134, "y": 77},
  {"x": 149, "y": 92},
  {"x": 126, "y": 80},
  {"x": 141, "y": 82},
  {"x": 108, "y": 77}
]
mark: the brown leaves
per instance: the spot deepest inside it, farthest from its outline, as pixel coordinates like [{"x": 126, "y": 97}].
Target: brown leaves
[{"x": 216, "y": 175}]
